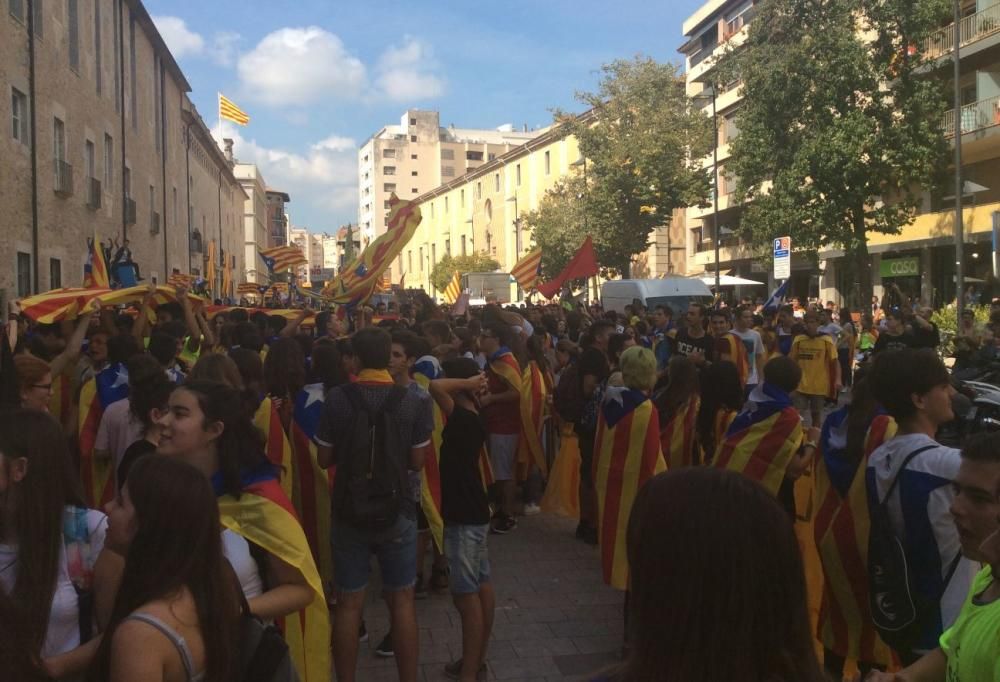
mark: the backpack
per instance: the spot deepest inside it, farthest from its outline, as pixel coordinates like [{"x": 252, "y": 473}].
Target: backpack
[
  {"x": 568, "y": 398},
  {"x": 371, "y": 485},
  {"x": 263, "y": 652},
  {"x": 900, "y": 614}
]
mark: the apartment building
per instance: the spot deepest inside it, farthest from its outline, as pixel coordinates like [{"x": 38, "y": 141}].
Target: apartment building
[
  {"x": 418, "y": 155},
  {"x": 920, "y": 259},
  {"x": 301, "y": 237},
  {"x": 481, "y": 211},
  {"x": 255, "y": 215},
  {"x": 101, "y": 139},
  {"x": 277, "y": 219}
]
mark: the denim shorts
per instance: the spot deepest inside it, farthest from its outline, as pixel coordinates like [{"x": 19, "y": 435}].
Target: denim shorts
[
  {"x": 468, "y": 560},
  {"x": 503, "y": 455},
  {"x": 395, "y": 548}
]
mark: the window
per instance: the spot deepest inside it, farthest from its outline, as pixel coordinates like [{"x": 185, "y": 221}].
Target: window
[
  {"x": 109, "y": 160},
  {"x": 413, "y": 138},
  {"x": 447, "y": 154},
  {"x": 434, "y": 250},
  {"x": 491, "y": 156},
  {"x": 23, "y": 274},
  {"x": 89, "y": 162},
  {"x": 473, "y": 156},
  {"x": 479, "y": 190},
  {"x": 152, "y": 199},
  {"x": 413, "y": 156},
  {"x": 446, "y": 204},
  {"x": 414, "y": 191},
  {"x": 461, "y": 195},
  {"x": 421, "y": 259},
  {"x": 447, "y": 171},
  {"x": 388, "y": 153},
  {"x": 19, "y": 115},
  {"x": 409, "y": 260},
  {"x": 413, "y": 174},
  {"x": 548, "y": 167},
  {"x": 16, "y": 11},
  {"x": 385, "y": 204},
  {"x": 496, "y": 182},
  {"x": 517, "y": 174},
  {"x": 463, "y": 244},
  {"x": 389, "y": 187},
  {"x": 389, "y": 170},
  {"x": 58, "y": 140},
  {"x": 413, "y": 121},
  {"x": 55, "y": 273},
  {"x": 72, "y": 10},
  {"x": 97, "y": 46},
  {"x": 447, "y": 247}
]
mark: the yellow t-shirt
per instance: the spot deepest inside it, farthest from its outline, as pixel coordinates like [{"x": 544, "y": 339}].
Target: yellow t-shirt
[
  {"x": 817, "y": 357},
  {"x": 972, "y": 643}
]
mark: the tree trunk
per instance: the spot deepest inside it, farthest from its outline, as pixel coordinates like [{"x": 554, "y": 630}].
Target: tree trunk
[{"x": 862, "y": 259}]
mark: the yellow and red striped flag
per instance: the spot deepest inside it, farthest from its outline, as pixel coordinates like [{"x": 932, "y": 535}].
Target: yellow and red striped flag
[
  {"x": 677, "y": 437},
  {"x": 724, "y": 416},
  {"x": 761, "y": 442},
  {"x": 430, "y": 475},
  {"x": 95, "y": 270},
  {"x": 528, "y": 270},
  {"x": 533, "y": 401},
  {"x": 454, "y": 288},
  {"x": 627, "y": 453},
  {"x": 732, "y": 347},
  {"x": 229, "y": 111},
  {"x": 277, "y": 447},
  {"x": 882, "y": 429},
  {"x": 278, "y": 258},
  {"x": 177, "y": 280}
]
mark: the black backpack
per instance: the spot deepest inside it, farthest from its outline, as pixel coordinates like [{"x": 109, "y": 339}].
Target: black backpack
[
  {"x": 263, "y": 653},
  {"x": 370, "y": 487},
  {"x": 568, "y": 398},
  {"x": 900, "y": 614}
]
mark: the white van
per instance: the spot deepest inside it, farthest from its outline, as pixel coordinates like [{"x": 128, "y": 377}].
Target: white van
[{"x": 676, "y": 292}]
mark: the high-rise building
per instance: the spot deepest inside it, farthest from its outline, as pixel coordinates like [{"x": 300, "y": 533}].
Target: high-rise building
[
  {"x": 277, "y": 219},
  {"x": 418, "y": 155},
  {"x": 255, "y": 216}
]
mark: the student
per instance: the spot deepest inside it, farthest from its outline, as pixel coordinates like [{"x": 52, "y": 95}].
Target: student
[
  {"x": 721, "y": 401},
  {"x": 754, "y": 344},
  {"x": 49, "y": 544},
  {"x": 660, "y": 335},
  {"x": 149, "y": 391},
  {"x": 593, "y": 370},
  {"x": 677, "y": 405},
  {"x": 894, "y": 336},
  {"x": 816, "y": 355},
  {"x": 679, "y": 599},
  {"x": 177, "y": 612},
  {"x": 693, "y": 342},
  {"x": 970, "y": 648},
  {"x": 914, "y": 388},
  {"x": 729, "y": 346},
  {"x": 466, "y": 513}
]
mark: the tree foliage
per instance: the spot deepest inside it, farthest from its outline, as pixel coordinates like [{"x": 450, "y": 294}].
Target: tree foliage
[
  {"x": 445, "y": 268},
  {"x": 636, "y": 142},
  {"x": 839, "y": 133}
]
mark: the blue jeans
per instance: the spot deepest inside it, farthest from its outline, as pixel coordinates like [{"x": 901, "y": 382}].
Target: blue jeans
[
  {"x": 396, "y": 550},
  {"x": 468, "y": 560}
]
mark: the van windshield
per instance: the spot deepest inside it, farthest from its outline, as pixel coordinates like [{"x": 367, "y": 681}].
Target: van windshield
[{"x": 678, "y": 304}]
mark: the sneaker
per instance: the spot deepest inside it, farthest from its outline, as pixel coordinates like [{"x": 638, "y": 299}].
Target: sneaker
[
  {"x": 420, "y": 589},
  {"x": 531, "y": 509},
  {"x": 384, "y": 648},
  {"x": 504, "y": 525},
  {"x": 453, "y": 670},
  {"x": 363, "y": 633}
]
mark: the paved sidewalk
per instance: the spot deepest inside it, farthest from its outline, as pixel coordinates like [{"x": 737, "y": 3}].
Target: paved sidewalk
[{"x": 555, "y": 618}]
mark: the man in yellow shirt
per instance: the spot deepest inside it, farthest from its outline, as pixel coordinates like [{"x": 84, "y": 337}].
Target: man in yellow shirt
[{"x": 816, "y": 355}]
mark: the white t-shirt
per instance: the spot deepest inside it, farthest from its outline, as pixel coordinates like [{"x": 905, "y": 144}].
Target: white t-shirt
[
  {"x": 755, "y": 349},
  {"x": 118, "y": 430},
  {"x": 237, "y": 550},
  {"x": 63, "y": 633}
]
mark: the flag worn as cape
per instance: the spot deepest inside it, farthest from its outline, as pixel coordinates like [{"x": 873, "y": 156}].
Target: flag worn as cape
[
  {"x": 61, "y": 401},
  {"x": 97, "y": 473},
  {"x": 762, "y": 440},
  {"x": 720, "y": 425},
  {"x": 264, "y": 516},
  {"x": 430, "y": 475},
  {"x": 883, "y": 428},
  {"x": 312, "y": 484},
  {"x": 95, "y": 270},
  {"x": 584, "y": 264},
  {"x": 534, "y": 395},
  {"x": 841, "y": 528},
  {"x": 678, "y": 434},
  {"x": 627, "y": 454},
  {"x": 732, "y": 346},
  {"x": 277, "y": 447}
]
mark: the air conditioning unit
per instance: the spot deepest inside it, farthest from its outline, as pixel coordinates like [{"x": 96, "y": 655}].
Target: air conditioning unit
[
  {"x": 129, "y": 211},
  {"x": 94, "y": 193},
  {"x": 154, "y": 223},
  {"x": 64, "y": 178}
]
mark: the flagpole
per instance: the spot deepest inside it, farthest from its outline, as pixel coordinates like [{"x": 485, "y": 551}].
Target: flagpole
[{"x": 218, "y": 112}]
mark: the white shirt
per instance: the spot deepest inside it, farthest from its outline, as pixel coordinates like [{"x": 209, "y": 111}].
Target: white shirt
[
  {"x": 118, "y": 430},
  {"x": 63, "y": 633},
  {"x": 237, "y": 550},
  {"x": 755, "y": 349}
]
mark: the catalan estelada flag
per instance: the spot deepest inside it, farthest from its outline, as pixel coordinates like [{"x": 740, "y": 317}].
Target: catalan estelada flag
[
  {"x": 231, "y": 112},
  {"x": 430, "y": 475},
  {"x": 720, "y": 424},
  {"x": 454, "y": 288},
  {"x": 528, "y": 270},
  {"x": 312, "y": 484},
  {"x": 678, "y": 435},
  {"x": 730, "y": 347},
  {"x": 95, "y": 270},
  {"x": 626, "y": 454},
  {"x": 264, "y": 516},
  {"x": 762, "y": 440},
  {"x": 534, "y": 395},
  {"x": 841, "y": 528},
  {"x": 97, "y": 473},
  {"x": 277, "y": 447},
  {"x": 280, "y": 258},
  {"x": 882, "y": 429}
]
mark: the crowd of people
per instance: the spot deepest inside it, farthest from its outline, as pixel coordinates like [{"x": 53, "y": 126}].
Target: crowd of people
[{"x": 168, "y": 476}]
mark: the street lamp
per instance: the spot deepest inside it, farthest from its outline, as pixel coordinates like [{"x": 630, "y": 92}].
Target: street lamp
[
  {"x": 710, "y": 91},
  {"x": 959, "y": 228},
  {"x": 517, "y": 236}
]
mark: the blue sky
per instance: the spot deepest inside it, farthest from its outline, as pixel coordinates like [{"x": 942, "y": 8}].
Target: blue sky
[{"x": 319, "y": 77}]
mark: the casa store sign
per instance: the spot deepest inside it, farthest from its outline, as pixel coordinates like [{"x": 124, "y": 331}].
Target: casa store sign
[{"x": 900, "y": 267}]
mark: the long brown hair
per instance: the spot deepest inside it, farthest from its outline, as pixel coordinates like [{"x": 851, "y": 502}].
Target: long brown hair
[
  {"x": 682, "y": 384},
  {"x": 710, "y": 550},
  {"x": 178, "y": 543},
  {"x": 33, "y": 508}
]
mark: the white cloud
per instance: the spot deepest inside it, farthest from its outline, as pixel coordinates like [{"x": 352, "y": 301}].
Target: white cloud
[
  {"x": 223, "y": 49},
  {"x": 298, "y": 66},
  {"x": 407, "y": 72},
  {"x": 179, "y": 38}
]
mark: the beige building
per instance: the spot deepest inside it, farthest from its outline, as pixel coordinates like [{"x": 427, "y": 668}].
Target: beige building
[
  {"x": 481, "y": 212},
  {"x": 277, "y": 219},
  {"x": 302, "y": 238},
  {"x": 255, "y": 215},
  {"x": 101, "y": 139},
  {"x": 418, "y": 155}
]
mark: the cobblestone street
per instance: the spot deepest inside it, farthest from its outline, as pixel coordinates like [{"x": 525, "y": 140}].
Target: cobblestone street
[{"x": 555, "y": 618}]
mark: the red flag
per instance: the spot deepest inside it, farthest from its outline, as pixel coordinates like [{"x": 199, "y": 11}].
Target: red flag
[{"x": 584, "y": 264}]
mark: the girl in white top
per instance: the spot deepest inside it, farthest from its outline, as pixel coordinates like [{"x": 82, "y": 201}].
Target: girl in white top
[{"x": 48, "y": 543}]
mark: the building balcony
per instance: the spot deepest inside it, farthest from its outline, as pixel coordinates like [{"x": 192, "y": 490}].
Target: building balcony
[
  {"x": 94, "y": 193},
  {"x": 730, "y": 249},
  {"x": 937, "y": 227},
  {"x": 129, "y": 211},
  {"x": 976, "y": 116},
  {"x": 972, "y": 28},
  {"x": 726, "y": 201},
  {"x": 63, "y": 178}
]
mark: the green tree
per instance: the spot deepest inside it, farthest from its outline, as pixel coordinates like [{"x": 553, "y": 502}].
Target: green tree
[
  {"x": 445, "y": 268},
  {"x": 839, "y": 132},
  {"x": 637, "y": 139}
]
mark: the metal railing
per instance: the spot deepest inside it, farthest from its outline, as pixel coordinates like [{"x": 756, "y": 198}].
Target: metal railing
[
  {"x": 975, "y": 116},
  {"x": 154, "y": 223},
  {"x": 129, "y": 211},
  {"x": 94, "y": 193},
  {"x": 64, "y": 177},
  {"x": 971, "y": 28}
]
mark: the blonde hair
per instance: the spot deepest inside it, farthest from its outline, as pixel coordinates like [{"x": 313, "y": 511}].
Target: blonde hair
[{"x": 638, "y": 368}]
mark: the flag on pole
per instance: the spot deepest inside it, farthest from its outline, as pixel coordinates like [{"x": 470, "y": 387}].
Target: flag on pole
[
  {"x": 229, "y": 111},
  {"x": 95, "y": 270},
  {"x": 528, "y": 270},
  {"x": 227, "y": 276},
  {"x": 279, "y": 258},
  {"x": 777, "y": 297},
  {"x": 453, "y": 289},
  {"x": 584, "y": 264}
]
